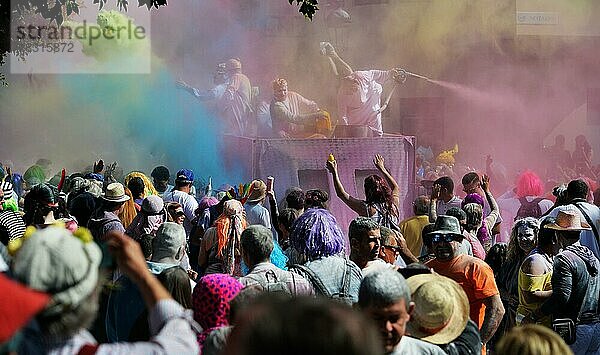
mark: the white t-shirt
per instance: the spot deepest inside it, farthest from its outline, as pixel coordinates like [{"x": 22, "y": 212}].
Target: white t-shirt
[
  {"x": 412, "y": 346},
  {"x": 362, "y": 107}
]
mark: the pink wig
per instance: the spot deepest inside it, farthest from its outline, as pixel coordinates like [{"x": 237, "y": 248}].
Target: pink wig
[{"x": 529, "y": 184}]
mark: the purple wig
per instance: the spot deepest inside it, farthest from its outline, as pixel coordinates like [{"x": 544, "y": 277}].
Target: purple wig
[
  {"x": 316, "y": 234},
  {"x": 472, "y": 198}
]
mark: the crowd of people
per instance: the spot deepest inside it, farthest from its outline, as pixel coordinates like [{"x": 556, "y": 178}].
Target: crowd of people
[{"x": 101, "y": 262}]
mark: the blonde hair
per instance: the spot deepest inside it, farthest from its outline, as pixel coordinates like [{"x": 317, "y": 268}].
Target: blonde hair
[
  {"x": 279, "y": 83},
  {"x": 148, "y": 185},
  {"x": 532, "y": 339},
  {"x": 129, "y": 211}
]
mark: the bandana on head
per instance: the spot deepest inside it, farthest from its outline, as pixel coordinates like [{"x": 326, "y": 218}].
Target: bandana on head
[
  {"x": 210, "y": 301},
  {"x": 230, "y": 225}
]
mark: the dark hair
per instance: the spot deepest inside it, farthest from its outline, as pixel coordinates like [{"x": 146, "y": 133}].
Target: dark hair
[
  {"x": 578, "y": 189},
  {"x": 428, "y": 228},
  {"x": 469, "y": 178},
  {"x": 257, "y": 243},
  {"x": 177, "y": 282},
  {"x": 287, "y": 217},
  {"x": 36, "y": 204},
  {"x": 496, "y": 257},
  {"x": 111, "y": 205},
  {"x": 360, "y": 226},
  {"x": 146, "y": 244},
  {"x": 414, "y": 269},
  {"x": 446, "y": 183},
  {"x": 136, "y": 186},
  {"x": 316, "y": 199},
  {"x": 160, "y": 173},
  {"x": 421, "y": 205},
  {"x": 274, "y": 324},
  {"x": 243, "y": 299},
  {"x": 546, "y": 235},
  {"x": 295, "y": 199},
  {"x": 378, "y": 191},
  {"x": 457, "y": 212}
]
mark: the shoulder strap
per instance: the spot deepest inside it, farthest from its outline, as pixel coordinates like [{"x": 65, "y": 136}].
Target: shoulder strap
[
  {"x": 523, "y": 201},
  {"x": 589, "y": 221},
  {"x": 346, "y": 279},
  {"x": 314, "y": 279}
]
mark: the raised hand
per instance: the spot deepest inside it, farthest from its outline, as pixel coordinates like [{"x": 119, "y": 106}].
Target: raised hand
[
  {"x": 379, "y": 162},
  {"x": 98, "y": 166},
  {"x": 485, "y": 183},
  {"x": 128, "y": 255},
  {"x": 331, "y": 166},
  {"x": 435, "y": 191}
]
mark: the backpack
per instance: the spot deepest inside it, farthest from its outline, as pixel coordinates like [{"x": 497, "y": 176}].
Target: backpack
[
  {"x": 344, "y": 292},
  {"x": 271, "y": 283},
  {"x": 529, "y": 209}
]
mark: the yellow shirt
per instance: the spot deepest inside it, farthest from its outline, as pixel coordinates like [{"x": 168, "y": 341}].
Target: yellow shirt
[
  {"x": 530, "y": 283},
  {"x": 411, "y": 229}
]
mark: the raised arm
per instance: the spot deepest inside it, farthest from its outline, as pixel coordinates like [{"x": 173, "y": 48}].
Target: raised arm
[
  {"x": 356, "y": 205},
  {"x": 435, "y": 195},
  {"x": 339, "y": 66},
  {"x": 379, "y": 164},
  {"x": 132, "y": 263},
  {"x": 494, "y": 209}
]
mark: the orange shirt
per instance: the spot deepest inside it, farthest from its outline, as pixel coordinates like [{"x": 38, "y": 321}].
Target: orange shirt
[{"x": 474, "y": 276}]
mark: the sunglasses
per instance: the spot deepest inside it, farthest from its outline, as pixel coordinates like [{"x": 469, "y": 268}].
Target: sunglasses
[{"x": 438, "y": 238}]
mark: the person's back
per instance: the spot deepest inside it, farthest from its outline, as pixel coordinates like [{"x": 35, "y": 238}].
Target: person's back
[
  {"x": 273, "y": 279},
  {"x": 573, "y": 278},
  {"x": 339, "y": 277}
]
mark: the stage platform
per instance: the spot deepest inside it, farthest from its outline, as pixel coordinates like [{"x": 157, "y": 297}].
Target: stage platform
[{"x": 301, "y": 162}]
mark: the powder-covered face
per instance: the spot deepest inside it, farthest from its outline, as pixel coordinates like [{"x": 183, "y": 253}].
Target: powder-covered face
[
  {"x": 280, "y": 93},
  {"x": 526, "y": 238}
]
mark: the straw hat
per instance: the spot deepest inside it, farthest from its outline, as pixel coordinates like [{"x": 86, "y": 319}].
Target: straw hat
[
  {"x": 115, "y": 192},
  {"x": 568, "y": 221},
  {"x": 258, "y": 191},
  {"x": 441, "y": 309}
]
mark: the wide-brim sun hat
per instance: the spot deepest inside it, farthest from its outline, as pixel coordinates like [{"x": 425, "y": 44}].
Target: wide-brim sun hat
[
  {"x": 258, "y": 191},
  {"x": 441, "y": 309},
  {"x": 115, "y": 192},
  {"x": 568, "y": 221}
]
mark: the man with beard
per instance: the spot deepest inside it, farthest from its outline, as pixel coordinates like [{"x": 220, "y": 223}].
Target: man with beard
[
  {"x": 472, "y": 274},
  {"x": 365, "y": 242}
]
